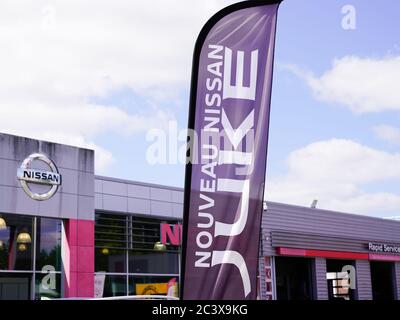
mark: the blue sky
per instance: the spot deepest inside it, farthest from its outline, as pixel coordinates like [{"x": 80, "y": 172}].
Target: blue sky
[
  {"x": 104, "y": 73},
  {"x": 310, "y": 36}
]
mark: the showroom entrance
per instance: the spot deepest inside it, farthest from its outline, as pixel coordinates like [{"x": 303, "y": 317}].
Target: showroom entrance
[
  {"x": 382, "y": 277},
  {"x": 294, "y": 278}
]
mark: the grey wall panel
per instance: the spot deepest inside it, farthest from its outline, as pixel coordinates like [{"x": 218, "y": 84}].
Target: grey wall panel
[
  {"x": 68, "y": 157},
  {"x": 98, "y": 201},
  {"x": 321, "y": 284},
  {"x": 139, "y": 198},
  {"x": 85, "y": 184},
  {"x": 141, "y": 206},
  {"x": 115, "y": 203},
  {"x": 177, "y": 210},
  {"x": 61, "y": 205},
  {"x": 98, "y": 186},
  {"x": 85, "y": 160},
  {"x": 138, "y": 191},
  {"x": 64, "y": 156},
  {"x": 115, "y": 188},
  {"x": 14, "y": 200},
  {"x": 8, "y": 172},
  {"x": 69, "y": 181},
  {"x": 8, "y": 200},
  {"x": 161, "y": 209},
  {"x": 138, "y": 183},
  {"x": 364, "y": 287},
  {"x": 22, "y": 204},
  {"x": 160, "y": 194},
  {"x": 16, "y": 148},
  {"x": 177, "y": 196},
  {"x": 85, "y": 207}
]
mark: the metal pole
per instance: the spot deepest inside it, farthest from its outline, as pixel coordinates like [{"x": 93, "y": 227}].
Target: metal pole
[{"x": 34, "y": 229}]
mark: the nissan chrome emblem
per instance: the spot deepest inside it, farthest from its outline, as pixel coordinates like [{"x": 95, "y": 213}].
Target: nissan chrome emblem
[{"x": 27, "y": 175}]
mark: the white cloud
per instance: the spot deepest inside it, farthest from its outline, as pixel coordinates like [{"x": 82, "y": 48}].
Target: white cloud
[
  {"x": 84, "y": 48},
  {"x": 76, "y": 125},
  {"x": 56, "y": 56},
  {"x": 337, "y": 173},
  {"x": 388, "y": 133},
  {"x": 362, "y": 84}
]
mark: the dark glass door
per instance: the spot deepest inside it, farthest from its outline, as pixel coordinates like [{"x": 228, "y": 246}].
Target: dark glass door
[
  {"x": 293, "y": 278},
  {"x": 382, "y": 277},
  {"x": 15, "y": 286}
]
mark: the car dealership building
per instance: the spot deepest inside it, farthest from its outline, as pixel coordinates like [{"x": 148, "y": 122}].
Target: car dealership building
[{"x": 65, "y": 232}]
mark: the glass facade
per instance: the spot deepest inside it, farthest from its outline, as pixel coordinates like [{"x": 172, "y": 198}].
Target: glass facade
[
  {"x": 30, "y": 257},
  {"x": 126, "y": 252},
  {"x": 294, "y": 278},
  {"x": 16, "y": 254},
  {"x": 48, "y": 243}
]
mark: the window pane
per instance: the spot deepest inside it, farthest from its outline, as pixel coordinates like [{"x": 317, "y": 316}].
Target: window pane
[
  {"x": 16, "y": 243},
  {"x": 110, "y": 231},
  {"x": 114, "y": 286},
  {"x": 144, "y": 233},
  {"x": 153, "y": 286},
  {"x": 48, "y": 247},
  {"x": 153, "y": 262},
  {"x": 15, "y": 286},
  {"x": 48, "y": 286},
  {"x": 294, "y": 278},
  {"x": 110, "y": 260}
]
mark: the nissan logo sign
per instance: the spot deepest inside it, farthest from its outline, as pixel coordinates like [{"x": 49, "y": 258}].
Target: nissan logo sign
[{"x": 27, "y": 176}]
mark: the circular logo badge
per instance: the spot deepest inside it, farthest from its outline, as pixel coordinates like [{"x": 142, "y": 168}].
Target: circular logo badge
[{"x": 28, "y": 175}]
